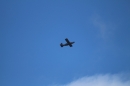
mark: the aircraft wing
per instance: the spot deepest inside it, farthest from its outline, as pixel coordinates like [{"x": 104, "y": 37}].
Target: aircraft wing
[
  {"x": 67, "y": 41},
  {"x": 70, "y": 45}
]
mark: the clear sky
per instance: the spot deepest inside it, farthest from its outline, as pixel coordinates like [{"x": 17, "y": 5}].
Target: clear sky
[{"x": 31, "y": 32}]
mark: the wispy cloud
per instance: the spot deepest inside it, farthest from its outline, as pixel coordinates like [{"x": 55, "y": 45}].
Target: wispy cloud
[
  {"x": 102, "y": 80},
  {"x": 105, "y": 28}
]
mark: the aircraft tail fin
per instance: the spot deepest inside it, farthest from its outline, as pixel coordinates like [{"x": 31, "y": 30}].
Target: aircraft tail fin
[{"x": 61, "y": 45}]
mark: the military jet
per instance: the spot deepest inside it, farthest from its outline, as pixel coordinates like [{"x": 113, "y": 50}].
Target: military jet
[{"x": 68, "y": 43}]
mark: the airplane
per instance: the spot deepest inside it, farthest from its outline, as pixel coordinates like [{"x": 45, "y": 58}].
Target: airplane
[{"x": 68, "y": 43}]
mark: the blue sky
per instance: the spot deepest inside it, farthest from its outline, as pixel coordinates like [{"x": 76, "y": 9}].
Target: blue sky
[{"x": 31, "y": 32}]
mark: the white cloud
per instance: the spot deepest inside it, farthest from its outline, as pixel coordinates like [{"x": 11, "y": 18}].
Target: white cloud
[{"x": 102, "y": 80}]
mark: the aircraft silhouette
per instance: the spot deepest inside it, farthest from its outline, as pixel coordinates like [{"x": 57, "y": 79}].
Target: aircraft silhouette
[{"x": 68, "y": 43}]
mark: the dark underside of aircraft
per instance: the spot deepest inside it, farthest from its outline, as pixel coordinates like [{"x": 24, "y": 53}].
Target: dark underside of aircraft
[{"x": 68, "y": 43}]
